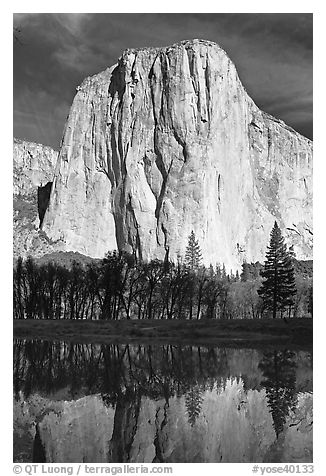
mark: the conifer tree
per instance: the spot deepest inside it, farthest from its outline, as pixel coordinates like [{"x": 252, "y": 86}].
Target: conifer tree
[
  {"x": 193, "y": 256},
  {"x": 278, "y": 287}
]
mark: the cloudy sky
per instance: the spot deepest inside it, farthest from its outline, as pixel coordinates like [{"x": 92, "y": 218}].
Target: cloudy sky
[{"x": 53, "y": 53}]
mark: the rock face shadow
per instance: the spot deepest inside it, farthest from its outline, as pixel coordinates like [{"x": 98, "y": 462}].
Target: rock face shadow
[{"x": 43, "y": 198}]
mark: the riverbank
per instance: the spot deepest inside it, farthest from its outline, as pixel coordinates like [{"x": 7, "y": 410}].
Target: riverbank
[{"x": 244, "y": 332}]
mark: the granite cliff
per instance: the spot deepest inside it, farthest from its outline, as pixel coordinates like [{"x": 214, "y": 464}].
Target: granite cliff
[
  {"x": 168, "y": 141},
  {"x": 33, "y": 170}
]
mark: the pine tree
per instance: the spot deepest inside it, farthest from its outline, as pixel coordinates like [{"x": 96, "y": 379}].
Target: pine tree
[
  {"x": 193, "y": 257},
  {"x": 278, "y": 287}
]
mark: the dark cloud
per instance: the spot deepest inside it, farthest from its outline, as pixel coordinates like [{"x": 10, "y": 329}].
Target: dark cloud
[{"x": 53, "y": 53}]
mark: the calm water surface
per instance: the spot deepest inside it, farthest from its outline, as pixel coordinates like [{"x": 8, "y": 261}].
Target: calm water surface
[{"x": 129, "y": 403}]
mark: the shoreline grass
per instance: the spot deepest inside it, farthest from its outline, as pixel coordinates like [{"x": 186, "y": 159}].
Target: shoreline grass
[{"x": 238, "y": 332}]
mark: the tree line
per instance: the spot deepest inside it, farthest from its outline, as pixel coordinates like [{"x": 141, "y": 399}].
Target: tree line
[{"x": 120, "y": 287}]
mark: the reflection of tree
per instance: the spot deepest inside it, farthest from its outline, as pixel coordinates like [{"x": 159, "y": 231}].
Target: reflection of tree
[
  {"x": 153, "y": 371},
  {"x": 279, "y": 369},
  {"x": 194, "y": 402},
  {"x": 124, "y": 374}
]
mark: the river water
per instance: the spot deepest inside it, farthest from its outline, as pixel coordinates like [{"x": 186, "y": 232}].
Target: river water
[{"x": 128, "y": 403}]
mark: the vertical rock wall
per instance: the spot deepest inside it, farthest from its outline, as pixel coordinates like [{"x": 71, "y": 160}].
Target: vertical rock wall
[
  {"x": 33, "y": 171},
  {"x": 33, "y": 166},
  {"x": 168, "y": 141}
]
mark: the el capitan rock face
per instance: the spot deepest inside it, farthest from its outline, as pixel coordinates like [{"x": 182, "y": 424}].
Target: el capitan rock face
[{"x": 168, "y": 141}]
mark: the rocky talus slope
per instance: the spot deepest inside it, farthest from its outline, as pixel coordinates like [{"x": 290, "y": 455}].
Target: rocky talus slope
[
  {"x": 33, "y": 171},
  {"x": 168, "y": 141}
]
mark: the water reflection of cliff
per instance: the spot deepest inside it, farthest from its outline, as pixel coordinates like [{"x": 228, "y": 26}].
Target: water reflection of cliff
[{"x": 161, "y": 404}]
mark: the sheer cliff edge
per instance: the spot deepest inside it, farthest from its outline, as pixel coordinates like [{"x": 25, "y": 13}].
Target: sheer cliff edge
[{"x": 168, "y": 141}]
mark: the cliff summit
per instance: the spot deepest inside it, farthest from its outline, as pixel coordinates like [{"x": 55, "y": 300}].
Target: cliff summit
[{"x": 168, "y": 141}]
